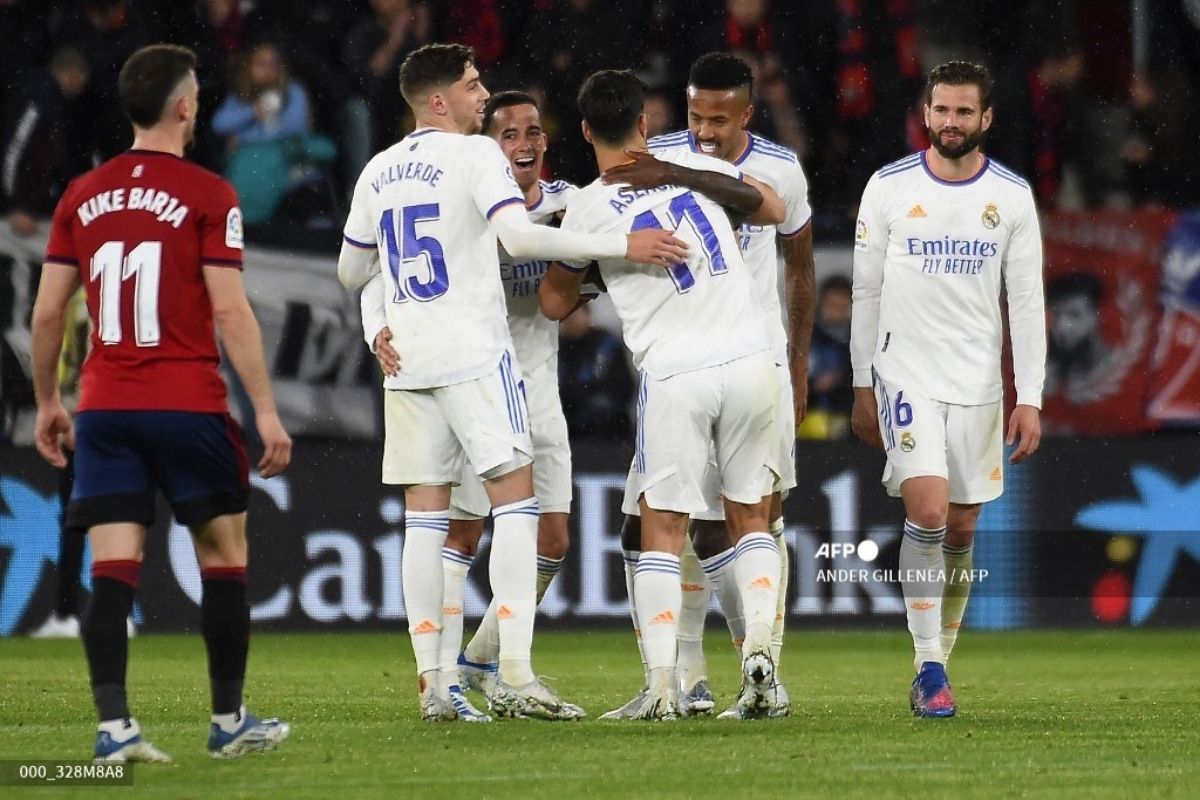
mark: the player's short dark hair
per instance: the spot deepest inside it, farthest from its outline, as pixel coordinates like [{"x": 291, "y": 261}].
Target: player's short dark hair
[
  {"x": 431, "y": 66},
  {"x": 1075, "y": 284},
  {"x": 148, "y": 79},
  {"x": 721, "y": 72},
  {"x": 961, "y": 73},
  {"x": 506, "y": 100},
  {"x": 610, "y": 102}
]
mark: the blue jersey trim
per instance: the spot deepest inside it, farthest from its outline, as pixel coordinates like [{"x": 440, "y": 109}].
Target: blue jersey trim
[
  {"x": 965, "y": 182},
  {"x": 356, "y": 243},
  {"x": 504, "y": 203}
]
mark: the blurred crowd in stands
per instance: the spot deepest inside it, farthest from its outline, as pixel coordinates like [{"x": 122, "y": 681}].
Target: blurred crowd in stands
[{"x": 296, "y": 96}]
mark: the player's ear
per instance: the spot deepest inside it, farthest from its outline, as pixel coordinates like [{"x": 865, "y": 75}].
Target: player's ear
[
  {"x": 987, "y": 119},
  {"x": 643, "y": 125},
  {"x": 925, "y": 113},
  {"x": 436, "y": 102},
  {"x": 587, "y": 132},
  {"x": 747, "y": 115}
]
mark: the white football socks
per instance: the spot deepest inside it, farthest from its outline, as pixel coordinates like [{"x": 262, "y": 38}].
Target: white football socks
[
  {"x": 421, "y": 571},
  {"x": 630, "y": 558},
  {"x": 719, "y": 571},
  {"x": 455, "y": 566},
  {"x": 777, "y": 530},
  {"x": 658, "y": 597},
  {"x": 484, "y": 647},
  {"x": 692, "y": 614},
  {"x": 513, "y": 572},
  {"x": 922, "y": 579},
  {"x": 958, "y": 589},
  {"x": 756, "y": 567}
]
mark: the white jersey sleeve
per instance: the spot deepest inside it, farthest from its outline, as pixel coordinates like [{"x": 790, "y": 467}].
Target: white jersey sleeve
[
  {"x": 373, "y": 306},
  {"x": 1026, "y": 307},
  {"x": 492, "y": 183},
  {"x": 870, "y": 249},
  {"x": 794, "y": 192},
  {"x": 686, "y": 158}
]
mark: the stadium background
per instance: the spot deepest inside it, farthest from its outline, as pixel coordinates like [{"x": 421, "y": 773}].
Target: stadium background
[{"x": 1095, "y": 103}]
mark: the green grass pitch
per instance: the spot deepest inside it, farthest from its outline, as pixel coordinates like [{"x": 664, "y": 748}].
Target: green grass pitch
[{"x": 1042, "y": 714}]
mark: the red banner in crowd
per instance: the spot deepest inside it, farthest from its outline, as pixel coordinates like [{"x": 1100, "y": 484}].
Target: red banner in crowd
[
  {"x": 1102, "y": 282},
  {"x": 1175, "y": 385}
]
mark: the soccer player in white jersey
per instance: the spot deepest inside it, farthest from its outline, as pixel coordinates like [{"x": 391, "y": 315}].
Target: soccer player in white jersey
[
  {"x": 720, "y": 93},
  {"x": 707, "y": 376},
  {"x": 430, "y": 209},
  {"x": 513, "y": 119},
  {"x": 938, "y": 234}
]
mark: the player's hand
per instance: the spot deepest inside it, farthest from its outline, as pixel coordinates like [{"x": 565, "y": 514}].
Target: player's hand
[
  {"x": 864, "y": 417},
  {"x": 389, "y": 359},
  {"x": 1025, "y": 424},
  {"x": 655, "y": 247},
  {"x": 642, "y": 171},
  {"x": 51, "y": 431},
  {"x": 277, "y": 445},
  {"x": 800, "y": 392}
]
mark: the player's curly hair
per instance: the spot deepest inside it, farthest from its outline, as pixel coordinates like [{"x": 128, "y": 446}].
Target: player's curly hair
[
  {"x": 431, "y": 66},
  {"x": 505, "y": 100},
  {"x": 149, "y": 78},
  {"x": 610, "y": 102},
  {"x": 961, "y": 73},
  {"x": 721, "y": 72}
]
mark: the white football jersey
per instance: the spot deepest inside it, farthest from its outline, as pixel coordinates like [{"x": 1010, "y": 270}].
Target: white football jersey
[
  {"x": 780, "y": 169},
  {"x": 694, "y": 315},
  {"x": 930, "y": 257},
  {"x": 424, "y": 203},
  {"x": 534, "y": 336}
]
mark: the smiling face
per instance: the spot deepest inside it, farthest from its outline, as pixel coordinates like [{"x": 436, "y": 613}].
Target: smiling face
[
  {"x": 717, "y": 119},
  {"x": 464, "y": 100},
  {"x": 956, "y": 119},
  {"x": 518, "y": 131}
]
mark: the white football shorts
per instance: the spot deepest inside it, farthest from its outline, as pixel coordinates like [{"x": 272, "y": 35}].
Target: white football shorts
[
  {"x": 963, "y": 444},
  {"x": 551, "y": 452},
  {"x": 728, "y": 410},
  {"x": 431, "y": 434},
  {"x": 785, "y": 427}
]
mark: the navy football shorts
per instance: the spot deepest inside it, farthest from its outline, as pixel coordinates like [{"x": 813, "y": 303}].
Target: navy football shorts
[{"x": 196, "y": 459}]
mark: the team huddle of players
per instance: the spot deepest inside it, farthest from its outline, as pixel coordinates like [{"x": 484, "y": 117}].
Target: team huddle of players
[
  {"x": 465, "y": 260},
  {"x": 465, "y": 336}
]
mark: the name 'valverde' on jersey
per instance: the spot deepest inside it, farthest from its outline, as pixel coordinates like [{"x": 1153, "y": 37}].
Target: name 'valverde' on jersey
[
  {"x": 535, "y": 338},
  {"x": 694, "y": 315},
  {"x": 930, "y": 258},
  {"x": 779, "y": 168},
  {"x": 424, "y": 204}
]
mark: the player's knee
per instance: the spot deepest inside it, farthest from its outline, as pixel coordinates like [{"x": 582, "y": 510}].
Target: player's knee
[
  {"x": 960, "y": 524},
  {"x": 631, "y": 533},
  {"x": 710, "y": 537},
  {"x": 464, "y": 536},
  {"x": 927, "y": 514}
]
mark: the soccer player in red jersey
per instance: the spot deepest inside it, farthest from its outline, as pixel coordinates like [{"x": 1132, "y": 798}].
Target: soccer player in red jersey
[{"x": 157, "y": 243}]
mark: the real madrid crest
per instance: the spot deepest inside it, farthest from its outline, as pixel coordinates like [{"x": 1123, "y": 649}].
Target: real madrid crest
[
  {"x": 907, "y": 442},
  {"x": 991, "y": 217}
]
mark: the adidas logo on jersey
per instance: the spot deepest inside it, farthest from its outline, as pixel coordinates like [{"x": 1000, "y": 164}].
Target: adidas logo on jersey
[
  {"x": 691, "y": 587},
  {"x": 452, "y": 611},
  {"x": 425, "y": 627},
  {"x": 504, "y": 612},
  {"x": 916, "y": 212},
  {"x": 996, "y": 475},
  {"x": 761, "y": 583},
  {"x": 922, "y": 605}
]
